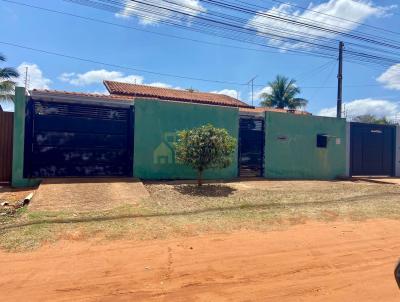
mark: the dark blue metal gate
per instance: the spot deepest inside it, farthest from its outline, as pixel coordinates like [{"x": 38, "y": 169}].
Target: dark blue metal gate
[
  {"x": 372, "y": 149},
  {"x": 251, "y": 146},
  {"x": 75, "y": 140}
]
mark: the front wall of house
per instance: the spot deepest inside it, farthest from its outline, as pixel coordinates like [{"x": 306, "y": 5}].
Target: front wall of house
[
  {"x": 291, "y": 147},
  {"x": 156, "y": 125}
]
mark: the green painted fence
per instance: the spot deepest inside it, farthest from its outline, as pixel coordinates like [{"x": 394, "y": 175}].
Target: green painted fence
[
  {"x": 291, "y": 147},
  {"x": 156, "y": 125}
]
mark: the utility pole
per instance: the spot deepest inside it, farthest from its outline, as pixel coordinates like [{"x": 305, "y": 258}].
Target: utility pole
[
  {"x": 252, "y": 89},
  {"x": 340, "y": 82}
]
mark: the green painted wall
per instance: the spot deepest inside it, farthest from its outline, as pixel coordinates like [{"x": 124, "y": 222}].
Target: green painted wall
[
  {"x": 156, "y": 124},
  {"x": 18, "y": 142},
  {"x": 291, "y": 147}
]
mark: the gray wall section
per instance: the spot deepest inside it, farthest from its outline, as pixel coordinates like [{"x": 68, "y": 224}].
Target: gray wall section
[
  {"x": 398, "y": 151},
  {"x": 348, "y": 149}
]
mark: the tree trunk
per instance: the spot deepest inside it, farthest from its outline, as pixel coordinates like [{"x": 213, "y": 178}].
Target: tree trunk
[{"x": 199, "y": 178}]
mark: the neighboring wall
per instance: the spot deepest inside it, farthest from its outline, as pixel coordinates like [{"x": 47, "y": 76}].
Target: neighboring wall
[
  {"x": 6, "y": 145},
  {"x": 156, "y": 125},
  {"x": 291, "y": 147}
]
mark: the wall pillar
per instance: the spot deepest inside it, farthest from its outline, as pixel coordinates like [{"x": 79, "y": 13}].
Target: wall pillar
[
  {"x": 18, "y": 179},
  {"x": 348, "y": 142}
]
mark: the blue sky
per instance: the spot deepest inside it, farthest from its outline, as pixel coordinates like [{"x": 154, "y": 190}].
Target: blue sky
[{"x": 146, "y": 51}]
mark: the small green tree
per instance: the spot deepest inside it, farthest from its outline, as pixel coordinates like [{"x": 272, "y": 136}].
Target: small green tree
[{"x": 205, "y": 147}]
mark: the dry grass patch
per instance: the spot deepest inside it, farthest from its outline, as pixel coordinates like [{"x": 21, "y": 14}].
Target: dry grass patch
[{"x": 176, "y": 209}]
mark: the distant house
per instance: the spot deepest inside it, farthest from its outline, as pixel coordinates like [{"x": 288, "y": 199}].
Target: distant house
[{"x": 119, "y": 89}]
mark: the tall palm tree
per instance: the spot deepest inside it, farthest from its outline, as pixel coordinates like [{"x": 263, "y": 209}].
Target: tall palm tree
[
  {"x": 283, "y": 94},
  {"x": 7, "y": 74}
]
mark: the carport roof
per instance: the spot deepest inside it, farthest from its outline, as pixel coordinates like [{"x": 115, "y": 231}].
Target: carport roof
[{"x": 82, "y": 95}]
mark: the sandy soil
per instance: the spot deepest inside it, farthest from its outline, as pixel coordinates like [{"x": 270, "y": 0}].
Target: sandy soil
[
  {"x": 87, "y": 194},
  {"x": 341, "y": 261},
  {"x": 12, "y": 195}
]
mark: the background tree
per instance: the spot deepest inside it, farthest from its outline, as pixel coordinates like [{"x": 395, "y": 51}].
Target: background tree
[
  {"x": 283, "y": 94},
  {"x": 205, "y": 147},
  {"x": 371, "y": 119},
  {"x": 7, "y": 85}
]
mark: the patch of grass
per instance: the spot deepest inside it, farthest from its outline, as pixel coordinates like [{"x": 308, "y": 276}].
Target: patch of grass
[{"x": 185, "y": 210}]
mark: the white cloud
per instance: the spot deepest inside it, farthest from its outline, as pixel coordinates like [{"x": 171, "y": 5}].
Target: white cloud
[
  {"x": 142, "y": 11},
  {"x": 391, "y": 77},
  {"x": 98, "y": 76},
  {"x": 229, "y": 92},
  {"x": 102, "y": 92},
  {"x": 94, "y": 77},
  {"x": 36, "y": 80},
  {"x": 258, "y": 93},
  {"x": 159, "y": 85},
  {"x": 355, "y": 10},
  {"x": 378, "y": 108}
]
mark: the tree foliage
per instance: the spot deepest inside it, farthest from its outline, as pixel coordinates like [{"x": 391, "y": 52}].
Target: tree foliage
[
  {"x": 7, "y": 85},
  {"x": 204, "y": 148},
  {"x": 283, "y": 94},
  {"x": 371, "y": 119}
]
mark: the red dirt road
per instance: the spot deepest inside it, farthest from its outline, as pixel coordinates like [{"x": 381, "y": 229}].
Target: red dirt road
[{"x": 313, "y": 262}]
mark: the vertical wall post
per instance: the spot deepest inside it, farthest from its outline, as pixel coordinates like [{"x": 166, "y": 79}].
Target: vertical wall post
[
  {"x": 348, "y": 142},
  {"x": 18, "y": 179}
]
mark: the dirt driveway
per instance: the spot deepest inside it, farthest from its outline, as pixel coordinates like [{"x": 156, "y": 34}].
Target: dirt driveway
[{"x": 335, "y": 261}]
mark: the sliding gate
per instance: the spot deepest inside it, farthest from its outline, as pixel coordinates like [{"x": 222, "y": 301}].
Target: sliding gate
[
  {"x": 77, "y": 140},
  {"x": 372, "y": 149},
  {"x": 251, "y": 146}
]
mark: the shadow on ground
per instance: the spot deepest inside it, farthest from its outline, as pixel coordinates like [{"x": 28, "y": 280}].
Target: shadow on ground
[{"x": 208, "y": 190}]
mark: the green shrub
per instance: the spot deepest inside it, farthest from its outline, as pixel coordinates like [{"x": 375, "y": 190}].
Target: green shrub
[{"x": 204, "y": 148}]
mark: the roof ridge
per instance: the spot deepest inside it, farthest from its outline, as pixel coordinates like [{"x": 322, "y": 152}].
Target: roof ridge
[
  {"x": 165, "y": 88},
  {"x": 111, "y": 90}
]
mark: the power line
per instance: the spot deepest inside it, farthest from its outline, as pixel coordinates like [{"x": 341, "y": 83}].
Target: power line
[
  {"x": 144, "y": 30},
  {"x": 168, "y": 35},
  {"x": 327, "y": 51},
  {"x": 276, "y": 17},
  {"x": 191, "y": 28},
  {"x": 314, "y": 70},
  {"x": 155, "y": 72},
  {"x": 288, "y": 20},
  {"x": 324, "y": 81},
  {"x": 353, "y": 55},
  {"x": 337, "y": 17},
  {"x": 120, "y": 66}
]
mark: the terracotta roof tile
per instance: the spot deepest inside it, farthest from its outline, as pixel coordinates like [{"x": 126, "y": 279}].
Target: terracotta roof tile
[{"x": 117, "y": 88}]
